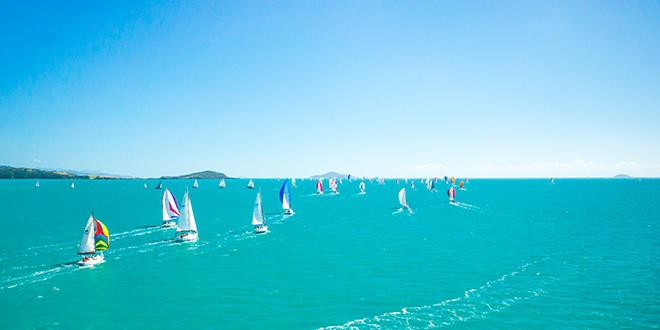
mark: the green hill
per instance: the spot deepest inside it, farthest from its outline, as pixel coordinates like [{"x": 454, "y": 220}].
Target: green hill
[{"x": 8, "y": 172}]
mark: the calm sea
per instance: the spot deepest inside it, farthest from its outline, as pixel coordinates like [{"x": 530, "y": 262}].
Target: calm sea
[{"x": 515, "y": 254}]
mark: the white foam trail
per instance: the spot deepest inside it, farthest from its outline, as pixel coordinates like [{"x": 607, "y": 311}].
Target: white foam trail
[{"x": 474, "y": 303}]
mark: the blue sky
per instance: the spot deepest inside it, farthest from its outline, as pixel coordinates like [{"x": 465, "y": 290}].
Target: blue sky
[{"x": 394, "y": 88}]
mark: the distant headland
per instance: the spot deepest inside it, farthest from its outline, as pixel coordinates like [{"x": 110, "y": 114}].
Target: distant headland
[
  {"x": 9, "y": 172},
  {"x": 208, "y": 174},
  {"x": 330, "y": 175}
]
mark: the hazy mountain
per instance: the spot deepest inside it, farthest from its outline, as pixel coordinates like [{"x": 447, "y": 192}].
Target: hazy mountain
[
  {"x": 199, "y": 175},
  {"x": 331, "y": 175}
]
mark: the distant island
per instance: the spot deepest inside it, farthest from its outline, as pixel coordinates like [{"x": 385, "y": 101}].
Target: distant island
[
  {"x": 623, "y": 176},
  {"x": 9, "y": 172},
  {"x": 198, "y": 175},
  {"x": 330, "y": 175}
]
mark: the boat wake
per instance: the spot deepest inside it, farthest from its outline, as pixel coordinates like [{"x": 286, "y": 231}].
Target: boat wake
[
  {"x": 38, "y": 276},
  {"x": 477, "y": 303}
]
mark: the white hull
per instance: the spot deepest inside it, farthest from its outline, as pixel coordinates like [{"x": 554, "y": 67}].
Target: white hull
[
  {"x": 261, "y": 229},
  {"x": 91, "y": 260},
  {"x": 186, "y": 237}
]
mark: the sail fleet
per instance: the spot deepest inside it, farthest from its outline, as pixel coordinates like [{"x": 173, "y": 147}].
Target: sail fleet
[{"x": 96, "y": 237}]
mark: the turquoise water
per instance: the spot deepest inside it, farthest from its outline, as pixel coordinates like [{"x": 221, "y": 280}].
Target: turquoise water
[{"x": 516, "y": 254}]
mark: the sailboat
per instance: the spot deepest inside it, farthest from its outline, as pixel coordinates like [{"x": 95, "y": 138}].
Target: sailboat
[
  {"x": 451, "y": 193},
  {"x": 293, "y": 182},
  {"x": 250, "y": 184},
  {"x": 186, "y": 228},
  {"x": 460, "y": 185},
  {"x": 170, "y": 209},
  {"x": 402, "y": 198},
  {"x": 221, "y": 184},
  {"x": 453, "y": 180},
  {"x": 412, "y": 184},
  {"x": 145, "y": 186},
  {"x": 363, "y": 188},
  {"x": 552, "y": 180},
  {"x": 195, "y": 184},
  {"x": 319, "y": 187},
  {"x": 285, "y": 198},
  {"x": 95, "y": 240},
  {"x": 36, "y": 184},
  {"x": 159, "y": 185},
  {"x": 258, "y": 219},
  {"x": 73, "y": 185},
  {"x": 333, "y": 186}
]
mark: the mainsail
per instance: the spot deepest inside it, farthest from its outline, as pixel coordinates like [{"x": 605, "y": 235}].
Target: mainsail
[
  {"x": 87, "y": 242},
  {"x": 258, "y": 212},
  {"x": 362, "y": 186},
  {"x": 250, "y": 184},
  {"x": 221, "y": 184},
  {"x": 195, "y": 184},
  {"x": 402, "y": 197},
  {"x": 186, "y": 220},
  {"x": 170, "y": 207}
]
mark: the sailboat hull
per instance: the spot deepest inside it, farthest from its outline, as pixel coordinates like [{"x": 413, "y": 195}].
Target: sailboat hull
[
  {"x": 186, "y": 237},
  {"x": 261, "y": 229},
  {"x": 91, "y": 261},
  {"x": 289, "y": 212}
]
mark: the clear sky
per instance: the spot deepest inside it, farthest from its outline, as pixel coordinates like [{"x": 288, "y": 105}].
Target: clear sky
[{"x": 393, "y": 88}]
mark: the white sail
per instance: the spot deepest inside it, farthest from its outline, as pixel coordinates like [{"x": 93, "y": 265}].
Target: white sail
[
  {"x": 87, "y": 242},
  {"x": 293, "y": 182},
  {"x": 250, "y": 184},
  {"x": 362, "y": 186},
  {"x": 195, "y": 184},
  {"x": 258, "y": 212},
  {"x": 145, "y": 186},
  {"x": 186, "y": 220},
  {"x": 222, "y": 183},
  {"x": 170, "y": 209},
  {"x": 36, "y": 185},
  {"x": 402, "y": 197},
  {"x": 73, "y": 185}
]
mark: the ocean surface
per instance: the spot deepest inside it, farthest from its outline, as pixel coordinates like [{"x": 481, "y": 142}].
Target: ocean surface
[{"x": 514, "y": 254}]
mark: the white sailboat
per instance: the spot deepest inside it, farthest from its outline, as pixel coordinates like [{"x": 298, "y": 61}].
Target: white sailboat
[
  {"x": 186, "y": 230},
  {"x": 195, "y": 184},
  {"x": 412, "y": 184},
  {"x": 222, "y": 183},
  {"x": 293, "y": 182},
  {"x": 36, "y": 184},
  {"x": 95, "y": 240},
  {"x": 363, "y": 188},
  {"x": 170, "y": 209},
  {"x": 333, "y": 186},
  {"x": 402, "y": 198},
  {"x": 145, "y": 186},
  {"x": 285, "y": 198},
  {"x": 258, "y": 219},
  {"x": 250, "y": 184}
]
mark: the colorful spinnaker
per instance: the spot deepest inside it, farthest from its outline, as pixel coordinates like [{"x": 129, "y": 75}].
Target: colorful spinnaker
[{"x": 170, "y": 208}]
